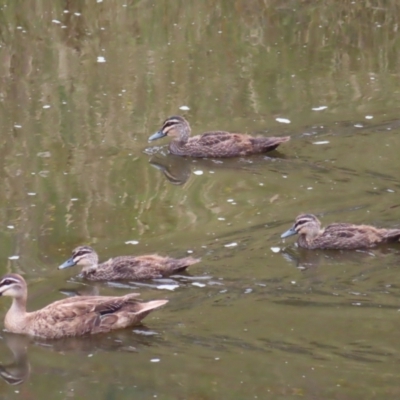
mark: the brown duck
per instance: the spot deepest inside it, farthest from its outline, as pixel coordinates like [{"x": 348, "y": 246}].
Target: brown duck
[
  {"x": 125, "y": 267},
  {"x": 338, "y": 235},
  {"x": 213, "y": 144},
  {"x": 74, "y": 316}
]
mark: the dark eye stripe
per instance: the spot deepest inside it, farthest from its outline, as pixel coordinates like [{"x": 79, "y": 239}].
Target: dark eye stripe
[
  {"x": 171, "y": 122},
  {"x": 8, "y": 281},
  {"x": 301, "y": 222}
]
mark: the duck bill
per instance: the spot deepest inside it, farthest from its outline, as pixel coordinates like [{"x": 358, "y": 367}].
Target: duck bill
[
  {"x": 157, "y": 135},
  {"x": 289, "y": 232},
  {"x": 69, "y": 263}
]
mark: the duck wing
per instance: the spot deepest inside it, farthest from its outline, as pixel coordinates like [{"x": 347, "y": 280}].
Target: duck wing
[
  {"x": 350, "y": 236},
  {"x": 89, "y": 314}
]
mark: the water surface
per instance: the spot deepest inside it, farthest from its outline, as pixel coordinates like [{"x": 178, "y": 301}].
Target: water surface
[{"x": 84, "y": 84}]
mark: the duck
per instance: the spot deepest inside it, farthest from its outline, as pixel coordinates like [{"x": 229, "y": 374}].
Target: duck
[
  {"x": 144, "y": 267},
  {"x": 73, "y": 316},
  {"x": 216, "y": 144},
  {"x": 338, "y": 236}
]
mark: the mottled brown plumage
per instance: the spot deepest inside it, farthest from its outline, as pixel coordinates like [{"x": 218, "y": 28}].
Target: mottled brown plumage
[
  {"x": 338, "y": 235},
  {"x": 125, "y": 267},
  {"x": 75, "y": 316},
  {"x": 216, "y": 144}
]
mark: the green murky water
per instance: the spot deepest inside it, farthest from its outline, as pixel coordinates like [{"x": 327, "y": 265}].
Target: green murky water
[{"x": 83, "y": 85}]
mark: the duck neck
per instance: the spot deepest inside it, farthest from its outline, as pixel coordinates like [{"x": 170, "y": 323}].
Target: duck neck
[
  {"x": 184, "y": 134},
  {"x": 89, "y": 269},
  {"x": 16, "y": 315}
]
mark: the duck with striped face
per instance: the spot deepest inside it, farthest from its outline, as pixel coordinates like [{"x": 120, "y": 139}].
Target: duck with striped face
[
  {"x": 73, "y": 316},
  {"x": 214, "y": 144},
  {"x": 340, "y": 236}
]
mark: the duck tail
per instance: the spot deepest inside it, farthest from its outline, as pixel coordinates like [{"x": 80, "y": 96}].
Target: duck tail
[
  {"x": 265, "y": 144},
  {"x": 392, "y": 235},
  {"x": 182, "y": 263}
]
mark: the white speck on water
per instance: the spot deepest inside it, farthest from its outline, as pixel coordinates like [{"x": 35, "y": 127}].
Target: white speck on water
[
  {"x": 233, "y": 244},
  {"x": 155, "y": 360},
  {"x": 225, "y": 290},
  {"x": 184, "y": 108},
  {"x": 216, "y": 358},
  {"x": 309, "y": 188},
  {"x": 31, "y": 194},
  {"x": 77, "y": 14},
  {"x": 17, "y": 126},
  {"x": 284, "y": 176},
  {"x": 66, "y": 11},
  {"x": 99, "y": 1},
  {"x": 358, "y": 126},
  {"x": 101, "y": 59},
  {"x": 247, "y": 291},
  {"x": 13, "y": 257},
  {"x": 44, "y": 154},
  {"x": 10, "y": 226},
  {"x": 198, "y": 284},
  {"x": 74, "y": 199},
  {"x": 189, "y": 251},
  {"x": 320, "y": 108},
  {"x": 230, "y": 200},
  {"x": 275, "y": 249},
  {"x": 90, "y": 355},
  {"x": 221, "y": 219},
  {"x": 322, "y": 142},
  {"x": 390, "y": 190},
  {"x": 198, "y": 172},
  {"x": 167, "y": 287},
  {"x": 369, "y": 117},
  {"x": 47, "y": 106},
  {"x": 132, "y": 242},
  {"x": 55, "y": 21},
  {"x": 283, "y": 120},
  {"x": 293, "y": 282},
  {"x": 356, "y": 304},
  {"x": 145, "y": 333}
]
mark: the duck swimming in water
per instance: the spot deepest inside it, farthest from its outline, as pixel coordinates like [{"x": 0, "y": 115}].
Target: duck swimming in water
[
  {"x": 125, "y": 267},
  {"x": 338, "y": 235},
  {"x": 74, "y": 316},
  {"x": 215, "y": 144}
]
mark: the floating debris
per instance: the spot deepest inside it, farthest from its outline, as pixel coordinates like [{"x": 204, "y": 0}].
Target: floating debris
[
  {"x": 320, "y": 108},
  {"x": 132, "y": 242},
  {"x": 17, "y": 126},
  {"x": 44, "y": 154},
  {"x": 322, "y": 142},
  {"x": 358, "y": 126},
  {"x": 144, "y": 333},
  {"x": 184, "y": 108},
  {"x": 167, "y": 287},
  {"x": 55, "y": 21},
  {"x": 233, "y": 244},
  {"x": 369, "y": 117},
  {"x": 10, "y": 226},
  {"x": 155, "y": 360},
  {"x": 275, "y": 249},
  {"x": 198, "y": 172},
  {"x": 198, "y": 284},
  {"x": 221, "y": 219},
  {"x": 13, "y": 257},
  {"x": 47, "y": 106},
  {"x": 283, "y": 120},
  {"x": 101, "y": 59},
  {"x": 31, "y": 194}
]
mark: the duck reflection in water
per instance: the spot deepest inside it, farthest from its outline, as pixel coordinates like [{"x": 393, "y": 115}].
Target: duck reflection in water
[
  {"x": 17, "y": 371},
  {"x": 176, "y": 169}
]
